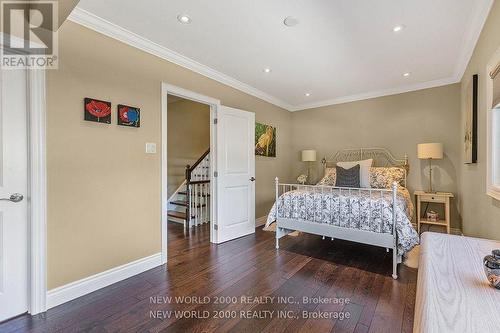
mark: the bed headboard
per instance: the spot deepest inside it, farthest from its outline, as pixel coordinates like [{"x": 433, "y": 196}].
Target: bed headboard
[{"x": 381, "y": 158}]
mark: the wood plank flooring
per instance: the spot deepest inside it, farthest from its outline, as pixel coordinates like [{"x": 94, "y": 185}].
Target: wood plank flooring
[{"x": 218, "y": 276}]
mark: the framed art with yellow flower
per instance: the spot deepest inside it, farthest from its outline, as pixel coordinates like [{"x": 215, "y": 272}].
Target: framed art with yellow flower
[{"x": 265, "y": 140}]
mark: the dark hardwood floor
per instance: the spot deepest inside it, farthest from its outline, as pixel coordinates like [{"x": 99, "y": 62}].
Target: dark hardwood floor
[{"x": 305, "y": 266}]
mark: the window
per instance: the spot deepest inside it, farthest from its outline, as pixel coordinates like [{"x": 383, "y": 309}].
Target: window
[{"x": 493, "y": 173}]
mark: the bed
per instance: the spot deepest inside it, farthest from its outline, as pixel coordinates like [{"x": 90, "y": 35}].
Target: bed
[{"x": 374, "y": 216}]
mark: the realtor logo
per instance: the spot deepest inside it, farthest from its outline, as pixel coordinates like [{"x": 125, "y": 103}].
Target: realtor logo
[{"x": 29, "y": 39}]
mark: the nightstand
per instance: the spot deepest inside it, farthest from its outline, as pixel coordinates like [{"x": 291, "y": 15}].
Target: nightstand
[{"x": 439, "y": 198}]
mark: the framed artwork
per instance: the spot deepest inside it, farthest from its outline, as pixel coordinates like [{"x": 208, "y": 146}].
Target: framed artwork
[
  {"x": 98, "y": 111},
  {"x": 265, "y": 140},
  {"x": 129, "y": 116},
  {"x": 470, "y": 138}
]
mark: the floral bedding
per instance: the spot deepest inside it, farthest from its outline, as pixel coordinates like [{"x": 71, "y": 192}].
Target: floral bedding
[{"x": 354, "y": 209}]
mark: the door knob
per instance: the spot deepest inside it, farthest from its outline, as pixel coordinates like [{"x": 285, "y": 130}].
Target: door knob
[
  {"x": 16, "y": 197},
  {"x": 252, "y": 179}
]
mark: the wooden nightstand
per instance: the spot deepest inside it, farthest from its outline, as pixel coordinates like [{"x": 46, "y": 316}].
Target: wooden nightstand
[{"x": 440, "y": 198}]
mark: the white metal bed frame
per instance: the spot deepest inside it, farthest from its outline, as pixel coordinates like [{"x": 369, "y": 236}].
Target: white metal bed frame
[{"x": 382, "y": 158}]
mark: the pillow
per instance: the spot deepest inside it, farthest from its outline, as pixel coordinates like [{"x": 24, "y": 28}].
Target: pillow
[
  {"x": 330, "y": 177},
  {"x": 384, "y": 177},
  {"x": 364, "y": 170},
  {"x": 347, "y": 177}
]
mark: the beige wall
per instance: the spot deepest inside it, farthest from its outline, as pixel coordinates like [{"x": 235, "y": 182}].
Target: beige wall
[
  {"x": 481, "y": 213},
  {"x": 398, "y": 123},
  {"x": 103, "y": 190},
  {"x": 188, "y": 138}
]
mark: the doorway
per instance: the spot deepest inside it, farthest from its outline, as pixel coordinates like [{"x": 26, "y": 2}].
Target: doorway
[
  {"x": 188, "y": 170},
  {"x": 231, "y": 168}
]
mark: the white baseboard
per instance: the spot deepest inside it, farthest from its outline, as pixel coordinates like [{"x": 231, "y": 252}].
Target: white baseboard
[
  {"x": 95, "y": 282},
  {"x": 260, "y": 221}
]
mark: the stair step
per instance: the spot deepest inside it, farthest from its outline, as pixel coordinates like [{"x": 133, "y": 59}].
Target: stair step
[
  {"x": 199, "y": 194},
  {"x": 177, "y": 215},
  {"x": 184, "y": 204}
]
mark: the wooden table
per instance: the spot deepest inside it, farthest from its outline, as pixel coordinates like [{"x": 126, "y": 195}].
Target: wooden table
[
  {"x": 438, "y": 197},
  {"x": 453, "y": 294}
]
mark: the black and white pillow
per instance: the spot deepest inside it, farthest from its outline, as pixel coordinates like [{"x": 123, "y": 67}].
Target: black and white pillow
[{"x": 348, "y": 177}]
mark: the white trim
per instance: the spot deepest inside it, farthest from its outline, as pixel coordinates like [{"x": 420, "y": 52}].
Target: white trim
[
  {"x": 95, "y": 282},
  {"x": 164, "y": 179},
  {"x": 112, "y": 30},
  {"x": 473, "y": 32},
  {"x": 168, "y": 89},
  {"x": 37, "y": 191},
  {"x": 214, "y": 236},
  {"x": 492, "y": 189},
  {"x": 260, "y": 221},
  {"x": 96, "y": 23},
  {"x": 378, "y": 93}
]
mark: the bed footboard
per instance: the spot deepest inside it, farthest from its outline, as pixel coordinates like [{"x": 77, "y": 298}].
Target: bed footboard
[{"x": 285, "y": 226}]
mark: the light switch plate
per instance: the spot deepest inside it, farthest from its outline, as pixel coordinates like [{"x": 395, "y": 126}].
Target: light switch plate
[{"x": 150, "y": 148}]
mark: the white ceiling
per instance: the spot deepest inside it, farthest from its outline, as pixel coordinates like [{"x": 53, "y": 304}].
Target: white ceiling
[{"x": 341, "y": 50}]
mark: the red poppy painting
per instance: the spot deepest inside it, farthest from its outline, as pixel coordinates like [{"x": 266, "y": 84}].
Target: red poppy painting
[{"x": 98, "y": 111}]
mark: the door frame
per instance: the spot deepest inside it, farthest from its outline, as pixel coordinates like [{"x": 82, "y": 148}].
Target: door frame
[
  {"x": 37, "y": 188},
  {"x": 168, "y": 89},
  {"x": 37, "y": 191}
]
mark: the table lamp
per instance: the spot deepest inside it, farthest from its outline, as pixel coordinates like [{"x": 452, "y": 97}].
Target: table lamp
[
  {"x": 309, "y": 156},
  {"x": 430, "y": 151}
]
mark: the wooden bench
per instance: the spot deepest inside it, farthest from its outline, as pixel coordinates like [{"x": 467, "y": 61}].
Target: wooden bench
[{"x": 453, "y": 294}]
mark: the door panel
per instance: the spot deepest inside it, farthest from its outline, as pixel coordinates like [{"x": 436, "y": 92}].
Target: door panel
[
  {"x": 13, "y": 179},
  {"x": 236, "y": 168}
]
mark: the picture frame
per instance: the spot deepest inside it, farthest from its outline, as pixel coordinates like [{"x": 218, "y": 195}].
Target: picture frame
[
  {"x": 97, "y": 111},
  {"x": 128, "y": 116},
  {"x": 265, "y": 140},
  {"x": 470, "y": 137}
]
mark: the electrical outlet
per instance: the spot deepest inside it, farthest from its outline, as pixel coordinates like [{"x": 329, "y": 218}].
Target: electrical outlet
[{"x": 150, "y": 148}]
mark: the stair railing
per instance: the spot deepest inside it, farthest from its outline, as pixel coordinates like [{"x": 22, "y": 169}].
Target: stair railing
[{"x": 198, "y": 191}]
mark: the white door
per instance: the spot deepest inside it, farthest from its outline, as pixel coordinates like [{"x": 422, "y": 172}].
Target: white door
[
  {"x": 13, "y": 179},
  {"x": 236, "y": 174}
]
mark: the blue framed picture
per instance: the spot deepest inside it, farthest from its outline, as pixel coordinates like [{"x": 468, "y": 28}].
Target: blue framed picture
[{"x": 129, "y": 116}]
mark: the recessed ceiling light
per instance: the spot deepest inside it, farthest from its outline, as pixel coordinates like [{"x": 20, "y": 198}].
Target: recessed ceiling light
[
  {"x": 308, "y": 94},
  {"x": 290, "y": 21},
  {"x": 267, "y": 70},
  {"x": 184, "y": 19},
  {"x": 398, "y": 28},
  {"x": 406, "y": 74}
]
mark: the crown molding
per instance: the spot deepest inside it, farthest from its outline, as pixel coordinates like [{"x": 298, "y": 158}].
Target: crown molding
[
  {"x": 378, "y": 93},
  {"x": 476, "y": 25},
  {"x": 102, "y": 26}
]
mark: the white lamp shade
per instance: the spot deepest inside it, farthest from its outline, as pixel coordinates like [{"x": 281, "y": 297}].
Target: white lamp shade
[
  {"x": 309, "y": 156},
  {"x": 430, "y": 151}
]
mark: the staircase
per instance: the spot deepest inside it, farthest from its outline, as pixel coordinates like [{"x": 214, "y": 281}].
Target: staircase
[{"x": 190, "y": 204}]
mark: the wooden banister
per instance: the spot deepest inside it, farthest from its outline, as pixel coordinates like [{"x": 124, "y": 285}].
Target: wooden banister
[
  {"x": 197, "y": 197},
  {"x": 200, "y": 159}
]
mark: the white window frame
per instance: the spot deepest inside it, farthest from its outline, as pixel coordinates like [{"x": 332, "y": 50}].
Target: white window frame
[{"x": 492, "y": 189}]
